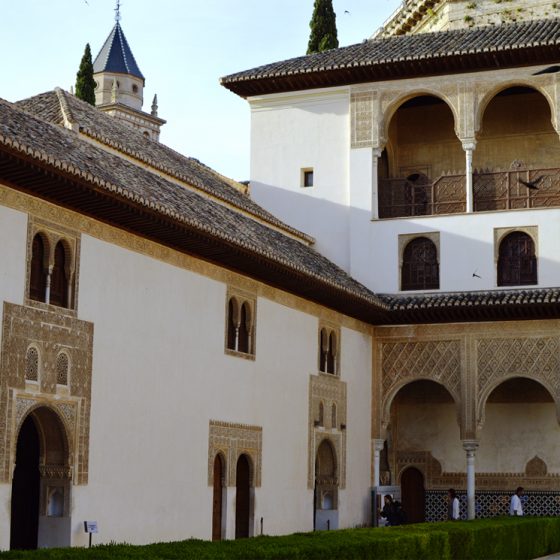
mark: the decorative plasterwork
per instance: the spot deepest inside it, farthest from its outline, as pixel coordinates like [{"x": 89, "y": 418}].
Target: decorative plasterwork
[
  {"x": 407, "y": 361},
  {"x": 470, "y": 360},
  {"x": 535, "y": 476},
  {"x": 327, "y": 390},
  {"x": 535, "y": 357},
  {"x": 232, "y": 441},
  {"x": 372, "y": 106},
  {"x": 49, "y": 332}
]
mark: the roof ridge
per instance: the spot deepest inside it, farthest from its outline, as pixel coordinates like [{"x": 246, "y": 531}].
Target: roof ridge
[{"x": 65, "y": 109}]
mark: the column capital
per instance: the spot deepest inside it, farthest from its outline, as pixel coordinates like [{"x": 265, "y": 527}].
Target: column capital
[
  {"x": 378, "y": 444},
  {"x": 470, "y": 445},
  {"x": 469, "y": 144},
  {"x": 376, "y": 152}
]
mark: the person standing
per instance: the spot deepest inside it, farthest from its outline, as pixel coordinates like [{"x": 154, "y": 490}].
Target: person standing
[
  {"x": 452, "y": 505},
  {"x": 515, "y": 505}
]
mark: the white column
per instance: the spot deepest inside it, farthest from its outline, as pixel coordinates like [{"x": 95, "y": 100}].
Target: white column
[
  {"x": 377, "y": 448},
  {"x": 469, "y": 147},
  {"x": 375, "y": 155},
  {"x": 470, "y": 447},
  {"x": 48, "y": 285}
]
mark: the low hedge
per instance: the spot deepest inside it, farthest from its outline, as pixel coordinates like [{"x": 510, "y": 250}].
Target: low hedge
[{"x": 496, "y": 539}]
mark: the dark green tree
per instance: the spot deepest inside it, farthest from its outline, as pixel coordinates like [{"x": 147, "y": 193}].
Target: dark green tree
[
  {"x": 323, "y": 28},
  {"x": 85, "y": 84}
]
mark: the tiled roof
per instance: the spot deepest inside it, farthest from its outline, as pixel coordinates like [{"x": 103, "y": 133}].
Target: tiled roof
[
  {"x": 404, "y": 55},
  {"x": 55, "y": 106},
  {"x": 66, "y": 153},
  {"x": 116, "y": 56},
  {"x": 479, "y": 305}
]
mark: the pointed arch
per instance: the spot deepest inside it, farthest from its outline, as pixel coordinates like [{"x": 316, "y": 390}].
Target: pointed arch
[{"x": 39, "y": 267}]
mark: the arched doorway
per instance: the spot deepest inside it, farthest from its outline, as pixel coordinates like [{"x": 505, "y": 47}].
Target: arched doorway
[
  {"x": 326, "y": 487},
  {"x": 218, "y": 499},
  {"x": 25, "y": 489},
  {"x": 413, "y": 495},
  {"x": 243, "y": 498},
  {"x": 40, "y": 504},
  {"x": 422, "y": 433}
]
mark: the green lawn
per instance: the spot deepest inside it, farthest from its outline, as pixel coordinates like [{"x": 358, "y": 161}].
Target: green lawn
[{"x": 485, "y": 539}]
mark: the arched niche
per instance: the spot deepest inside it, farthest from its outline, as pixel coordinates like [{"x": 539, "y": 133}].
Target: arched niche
[
  {"x": 518, "y": 421},
  {"x": 515, "y": 124}
]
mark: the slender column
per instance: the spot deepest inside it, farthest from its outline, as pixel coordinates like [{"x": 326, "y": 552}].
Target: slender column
[
  {"x": 375, "y": 155},
  {"x": 48, "y": 285},
  {"x": 377, "y": 448},
  {"x": 470, "y": 447},
  {"x": 469, "y": 149}
]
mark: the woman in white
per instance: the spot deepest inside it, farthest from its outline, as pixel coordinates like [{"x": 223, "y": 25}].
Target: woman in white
[{"x": 452, "y": 505}]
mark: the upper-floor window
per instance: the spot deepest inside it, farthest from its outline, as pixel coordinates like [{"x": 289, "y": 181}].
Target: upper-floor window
[
  {"x": 52, "y": 265},
  {"x": 32, "y": 364},
  {"x": 328, "y": 350},
  {"x": 420, "y": 266},
  {"x": 240, "y": 325},
  {"x": 517, "y": 262},
  {"x": 307, "y": 177},
  {"x": 38, "y": 269}
]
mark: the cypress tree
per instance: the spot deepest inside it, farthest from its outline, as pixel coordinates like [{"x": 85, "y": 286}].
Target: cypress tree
[
  {"x": 323, "y": 28},
  {"x": 85, "y": 84}
]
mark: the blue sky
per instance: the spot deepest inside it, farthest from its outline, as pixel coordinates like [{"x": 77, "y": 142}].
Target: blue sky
[{"x": 182, "y": 47}]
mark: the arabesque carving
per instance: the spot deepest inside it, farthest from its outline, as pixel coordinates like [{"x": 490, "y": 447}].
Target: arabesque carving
[
  {"x": 233, "y": 440},
  {"x": 327, "y": 390},
  {"x": 49, "y": 332}
]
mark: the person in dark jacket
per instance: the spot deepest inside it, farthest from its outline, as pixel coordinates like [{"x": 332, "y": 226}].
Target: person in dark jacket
[{"x": 392, "y": 511}]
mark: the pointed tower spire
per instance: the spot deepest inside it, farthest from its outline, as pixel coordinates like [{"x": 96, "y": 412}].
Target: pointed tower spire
[
  {"x": 120, "y": 84},
  {"x": 154, "y": 106}
]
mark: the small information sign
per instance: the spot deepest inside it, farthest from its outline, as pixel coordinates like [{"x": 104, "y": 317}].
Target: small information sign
[{"x": 90, "y": 526}]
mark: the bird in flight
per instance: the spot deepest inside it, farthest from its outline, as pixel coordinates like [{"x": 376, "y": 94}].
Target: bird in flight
[
  {"x": 532, "y": 184},
  {"x": 549, "y": 70}
]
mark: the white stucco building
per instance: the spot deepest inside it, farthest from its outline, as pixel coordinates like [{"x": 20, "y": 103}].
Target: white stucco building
[{"x": 379, "y": 308}]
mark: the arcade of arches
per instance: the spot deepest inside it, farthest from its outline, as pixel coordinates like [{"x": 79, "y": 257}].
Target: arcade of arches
[{"x": 473, "y": 406}]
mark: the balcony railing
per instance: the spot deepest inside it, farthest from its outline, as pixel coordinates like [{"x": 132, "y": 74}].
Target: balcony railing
[{"x": 493, "y": 190}]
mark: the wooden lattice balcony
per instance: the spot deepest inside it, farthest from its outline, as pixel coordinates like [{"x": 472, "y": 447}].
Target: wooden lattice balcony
[{"x": 493, "y": 190}]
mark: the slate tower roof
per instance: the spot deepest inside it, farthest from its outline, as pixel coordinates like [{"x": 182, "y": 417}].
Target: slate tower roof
[{"x": 116, "y": 56}]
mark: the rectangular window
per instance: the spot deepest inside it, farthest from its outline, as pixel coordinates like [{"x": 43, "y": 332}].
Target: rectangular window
[{"x": 307, "y": 177}]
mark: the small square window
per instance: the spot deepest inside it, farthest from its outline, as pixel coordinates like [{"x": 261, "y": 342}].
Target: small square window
[{"x": 307, "y": 177}]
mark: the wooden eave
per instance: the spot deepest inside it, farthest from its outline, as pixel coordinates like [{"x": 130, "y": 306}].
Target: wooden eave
[
  {"x": 25, "y": 174},
  {"x": 423, "y": 66}
]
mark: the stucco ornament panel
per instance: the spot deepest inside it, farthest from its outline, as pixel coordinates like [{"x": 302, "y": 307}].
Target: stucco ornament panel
[
  {"x": 362, "y": 111},
  {"x": 49, "y": 332},
  {"x": 436, "y": 360},
  {"x": 232, "y": 441},
  {"x": 498, "y": 359},
  {"x": 327, "y": 390}
]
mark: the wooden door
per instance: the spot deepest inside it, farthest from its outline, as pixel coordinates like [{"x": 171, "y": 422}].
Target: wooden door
[
  {"x": 217, "y": 499},
  {"x": 243, "y": 498},
  {"x": 413, "y": 495}
]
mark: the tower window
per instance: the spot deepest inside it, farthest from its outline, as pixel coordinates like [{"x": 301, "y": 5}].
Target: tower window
[{"x": 134, "y": 88}]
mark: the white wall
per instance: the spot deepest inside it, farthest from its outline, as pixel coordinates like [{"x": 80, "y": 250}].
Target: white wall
[
  {"x": 160, "y": 374},
  {"x": 467, "y": 247},
  {"x": 291, "y": 132}
]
